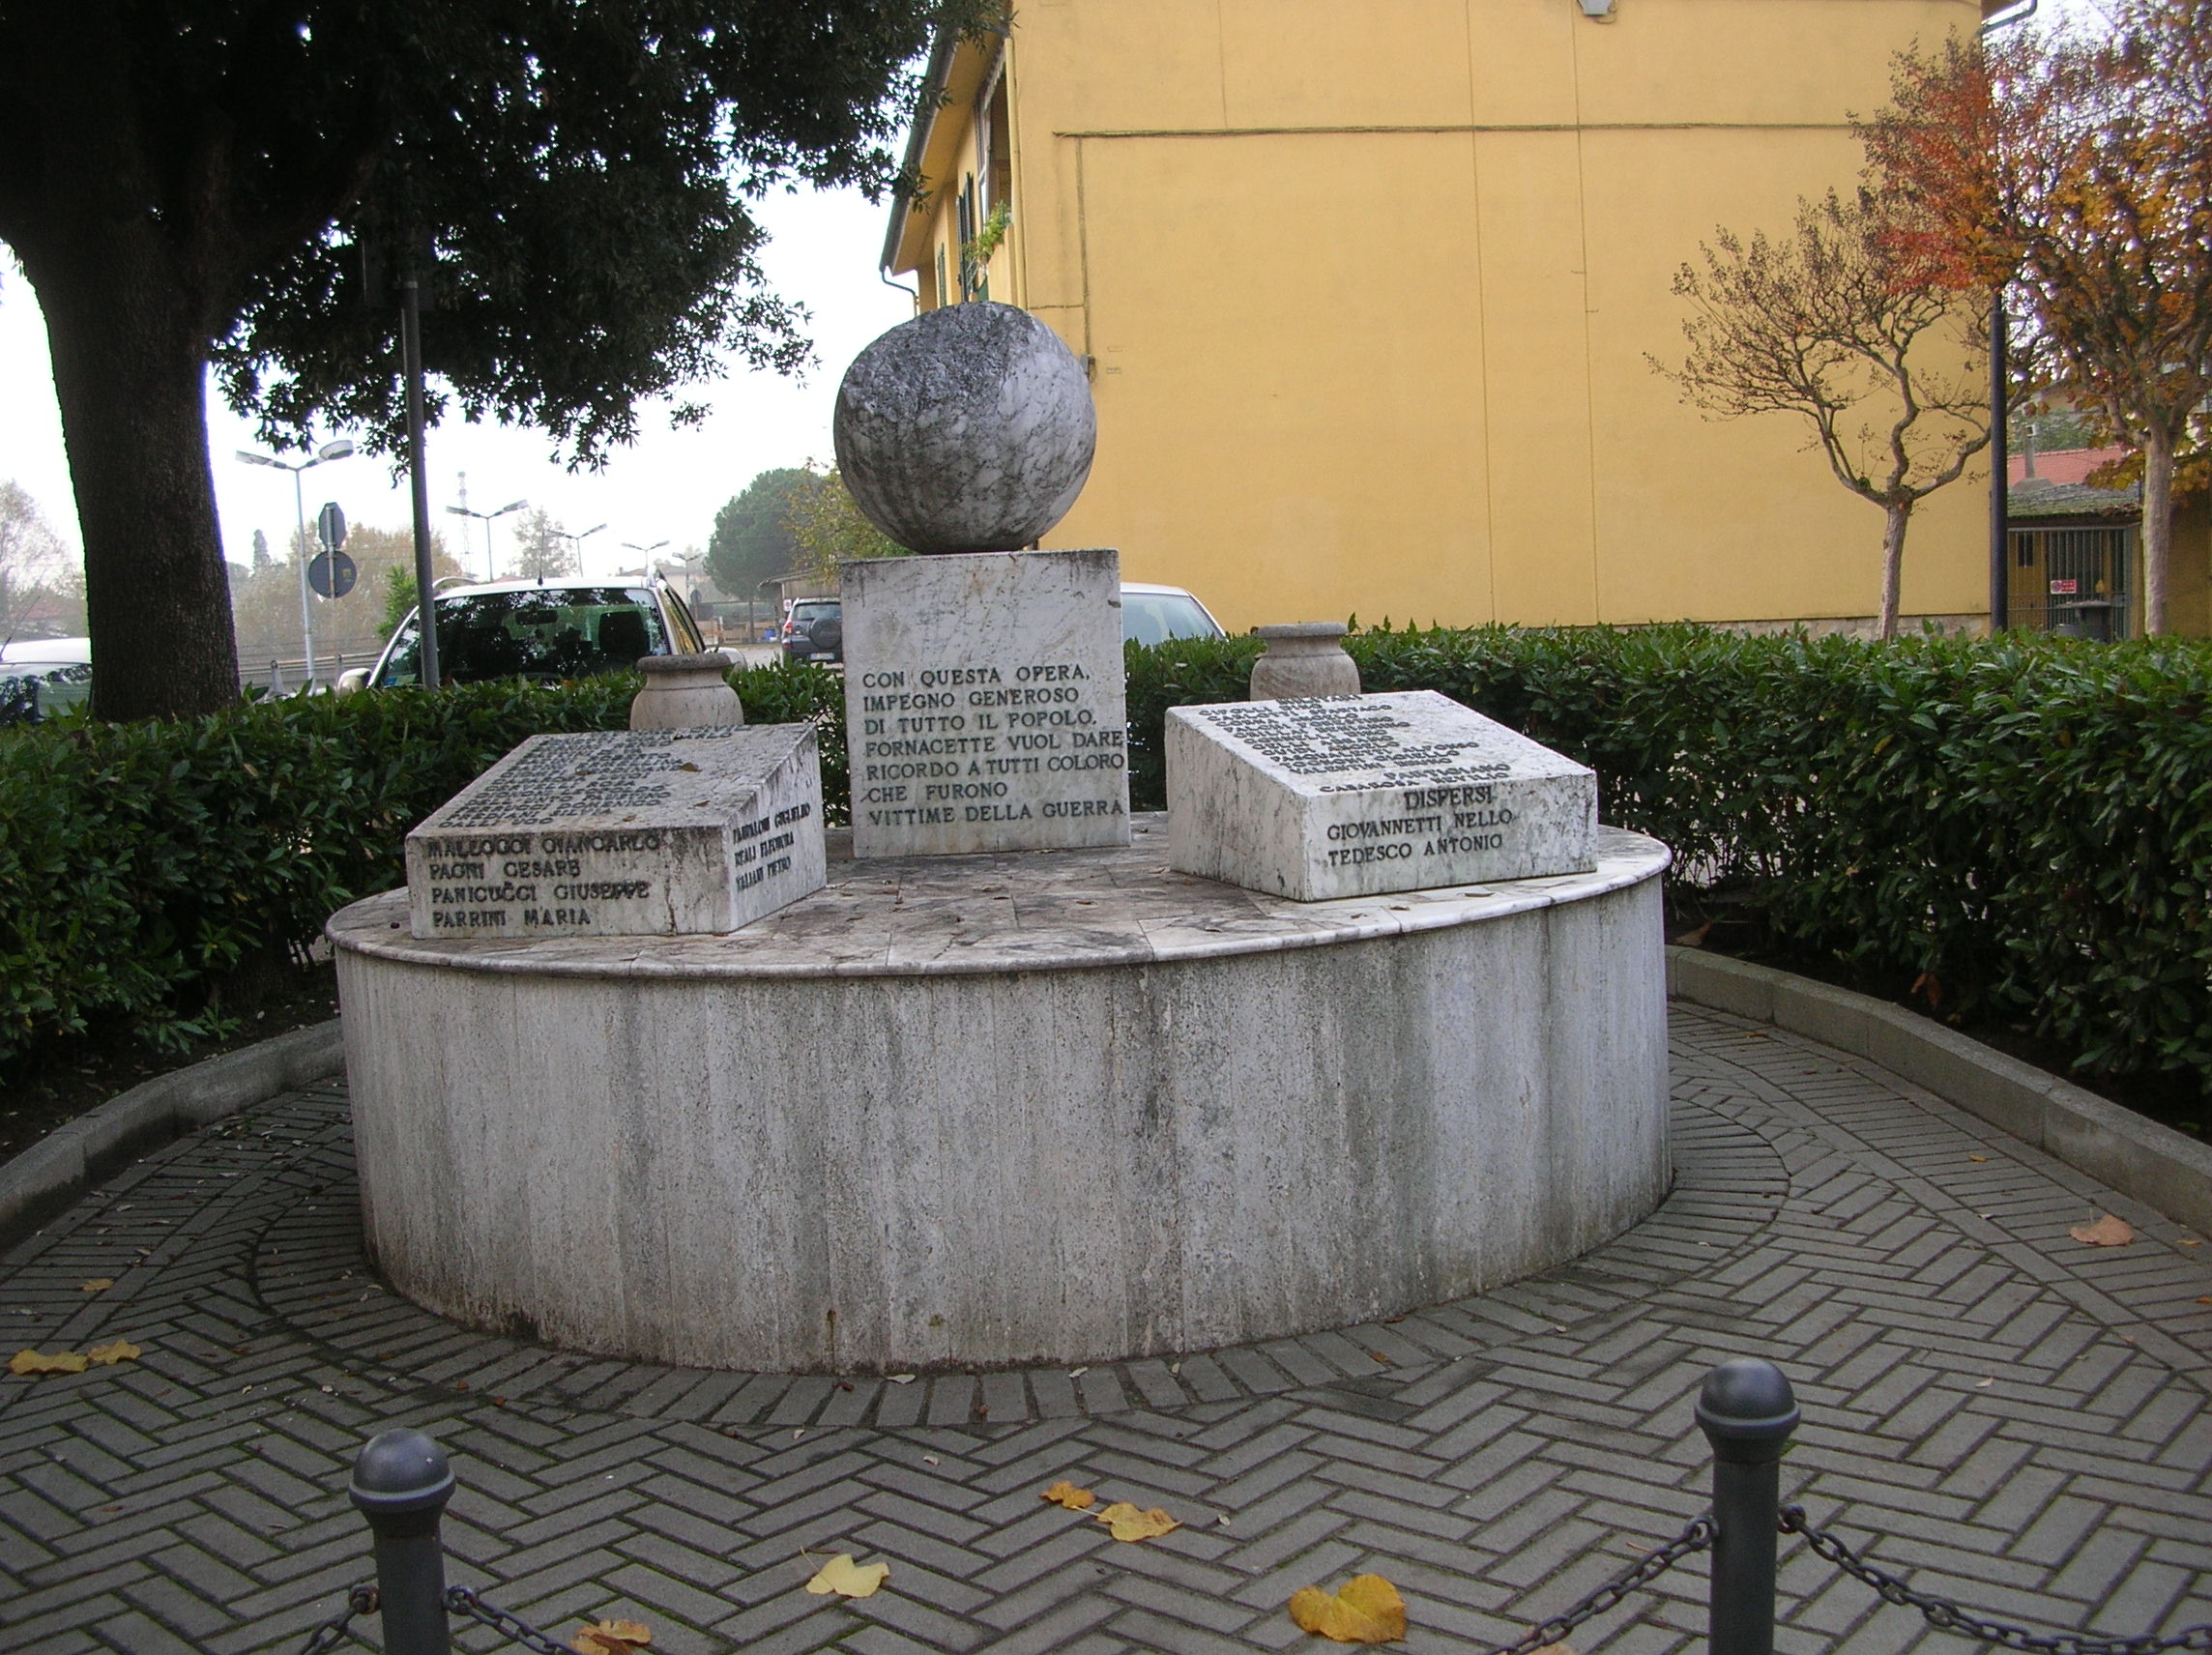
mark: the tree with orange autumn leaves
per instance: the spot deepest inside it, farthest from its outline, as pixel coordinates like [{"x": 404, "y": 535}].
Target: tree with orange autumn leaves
[{"x": 2076, "y": 169}]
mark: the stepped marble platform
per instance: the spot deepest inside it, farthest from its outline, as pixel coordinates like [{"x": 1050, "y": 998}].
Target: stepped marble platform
[{"x": 961, "y": 1112}]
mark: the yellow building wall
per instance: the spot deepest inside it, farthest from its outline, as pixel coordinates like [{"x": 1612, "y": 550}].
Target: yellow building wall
[{"x": 1369, "y": 286}]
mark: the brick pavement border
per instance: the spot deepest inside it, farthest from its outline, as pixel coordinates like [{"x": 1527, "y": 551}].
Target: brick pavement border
[
  {"x": 60, "y": 1166},
  {"x": 2160, "y": 1167}
]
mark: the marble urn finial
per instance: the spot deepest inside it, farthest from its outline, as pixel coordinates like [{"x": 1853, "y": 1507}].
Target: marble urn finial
[{"x": 966, "y": 430}]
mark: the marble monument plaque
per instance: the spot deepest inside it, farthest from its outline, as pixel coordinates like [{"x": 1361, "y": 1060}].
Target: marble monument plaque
[
  {"x": 985, "y": 703},
  {"x": 1360, "y": 794},
  {"x": 624, "y": 833}
]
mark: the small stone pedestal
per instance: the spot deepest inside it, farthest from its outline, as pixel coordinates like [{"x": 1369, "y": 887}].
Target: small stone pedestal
[
  {"x": 985, "y": 707},
  {"x": 686, "y": 692},
  {"x": 1304, "y": 659}
]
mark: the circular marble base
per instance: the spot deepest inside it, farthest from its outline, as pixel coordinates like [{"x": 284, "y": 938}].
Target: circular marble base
[{"x": 991, "y": 1110}]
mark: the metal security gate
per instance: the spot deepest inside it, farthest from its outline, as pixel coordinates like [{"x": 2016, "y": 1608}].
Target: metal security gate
[{"x": 2079, "y": 582}]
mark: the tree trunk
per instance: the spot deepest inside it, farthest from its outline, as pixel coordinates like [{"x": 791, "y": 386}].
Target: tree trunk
[
  {"x": 130, "y": 374},
  {"x": 1893, "y": 519},
  {"x": 2157, "y": 526}
]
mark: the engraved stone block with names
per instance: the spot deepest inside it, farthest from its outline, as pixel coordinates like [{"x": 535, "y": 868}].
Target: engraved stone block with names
[
  {"x": 1362, "y": 794},
  {"x": 624, "y": 833},
  {"x": 985, "y": 703}
]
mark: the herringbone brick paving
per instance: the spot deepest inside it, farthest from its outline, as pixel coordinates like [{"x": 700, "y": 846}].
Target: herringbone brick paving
[{"x": 2011, "y": 1416}]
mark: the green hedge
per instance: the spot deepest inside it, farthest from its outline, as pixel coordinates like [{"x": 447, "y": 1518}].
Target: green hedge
[{"x": 2025, "y": 823}]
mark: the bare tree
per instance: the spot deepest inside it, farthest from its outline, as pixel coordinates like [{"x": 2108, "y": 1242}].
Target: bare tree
[{"x": 1824, "y": 324}]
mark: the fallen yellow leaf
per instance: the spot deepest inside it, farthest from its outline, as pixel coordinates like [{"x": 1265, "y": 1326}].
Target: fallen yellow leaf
[
  {"x": 1978, "y": 1157},
  {"x": 97, "y": 1284},
  {"x": 107, "y": 1355},
  {"x": 847, "y": 1579},
  {"x": 1127, "y": 1523},
  {"x": 2106, "y": 1232},
  {"x": 612, "y": 1638},
  {"x": 1368, "y": 1609},
  {"x": 1066, "y": 1494},
  {"x": 60, "y": 1362}
]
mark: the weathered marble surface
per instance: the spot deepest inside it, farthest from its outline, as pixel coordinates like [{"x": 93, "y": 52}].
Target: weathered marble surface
[
  {"x": 1348, "y": 796},
  {"x": 1304, "y": 659},
  {"x": 966, "y": 430},
  {"x": 985, "y": 703},
  {"x": 1059, "y": 1106},
  {"x": 624, "y": 833}
]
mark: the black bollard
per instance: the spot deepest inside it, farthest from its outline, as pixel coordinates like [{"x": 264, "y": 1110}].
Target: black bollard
[
  {"x": 401, "y": 1483},
  {"x": 1747, "y": 1412}
]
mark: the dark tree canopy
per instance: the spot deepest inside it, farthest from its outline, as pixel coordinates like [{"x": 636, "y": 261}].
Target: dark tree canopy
[
  {"x": 186, "y": 182},
  {"x": 754, "y": 537}
]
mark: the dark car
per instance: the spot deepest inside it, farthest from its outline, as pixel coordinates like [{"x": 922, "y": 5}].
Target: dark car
[
  {"x": 815, "y": 631},
  {"x": 541, "y": 631}
]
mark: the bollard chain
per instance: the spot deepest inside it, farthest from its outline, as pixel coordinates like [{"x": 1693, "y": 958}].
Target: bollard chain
[
  {"x": 461, "y": 1601},
  {"x": 1947, "y": 1616},
  {"x": 1696, "y": 1538},
  {"x": 362, "y": 1600}
]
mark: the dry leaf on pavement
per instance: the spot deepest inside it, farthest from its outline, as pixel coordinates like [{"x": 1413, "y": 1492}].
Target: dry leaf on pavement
[
  {"x": 847, "y": 1579},
  {"x": 2106, "y": 1232},
  {"x": 1066, "y": 1494},
  {"x": 1367, "y": 1610},
  {"x": 97, "y": 1284},
  {"x": 107, "y": 1355},
  {"x": 1127, "y": 1523},
  {"x": 60, "y": 1362},
  {"x": 612, "y": 1638}
]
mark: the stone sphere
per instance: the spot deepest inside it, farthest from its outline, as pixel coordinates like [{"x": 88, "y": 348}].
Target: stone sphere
[{"x": 966, "y": 430}]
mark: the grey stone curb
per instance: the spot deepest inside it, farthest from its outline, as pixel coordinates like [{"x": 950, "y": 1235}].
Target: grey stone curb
[
  {"x": 2160, "y": 1167},
  {"x": 61, "y": 1166}
]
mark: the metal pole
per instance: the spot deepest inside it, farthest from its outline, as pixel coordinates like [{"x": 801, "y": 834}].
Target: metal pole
[
  {"x": 411, "y": 353},
  {"x": 1747, "y": 1412},
  {"x": 401, "y": 1482},
  {"x": 306, "y": 623},
  {"x": 2000, "y": 464}
]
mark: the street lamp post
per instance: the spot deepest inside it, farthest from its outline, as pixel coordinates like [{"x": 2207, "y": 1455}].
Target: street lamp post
[
  {"x": 2000, "y": 462},
  {"x": 336, "y": 450},
  {"x": 645, "y": 554},
  {"x": 576, "y": 543},
  {"x": 485, "y": 518}
]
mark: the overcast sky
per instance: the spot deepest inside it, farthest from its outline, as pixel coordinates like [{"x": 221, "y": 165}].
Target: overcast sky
[{"x": 668, "y": 486}]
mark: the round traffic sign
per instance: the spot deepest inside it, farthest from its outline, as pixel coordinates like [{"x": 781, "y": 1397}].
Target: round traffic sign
[{"x": 331, "y": 574}]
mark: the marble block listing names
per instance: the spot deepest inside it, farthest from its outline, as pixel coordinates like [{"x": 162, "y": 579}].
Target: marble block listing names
[
  {"x": 985, "y": 707},
  {"x": 1361, "y": 795},
  {"x": 624, "y": 833}
]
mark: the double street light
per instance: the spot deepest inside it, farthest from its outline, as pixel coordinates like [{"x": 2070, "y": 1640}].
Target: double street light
[
  {"x": 576, "y": 543},
  {"x": 485, "y": 518},
  {"x": 336, "y": 450}
]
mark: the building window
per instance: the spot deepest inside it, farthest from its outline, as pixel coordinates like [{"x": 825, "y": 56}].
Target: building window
[
  {"x": 994, "y": 149},
  {"x": 970, "y": 277}
]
